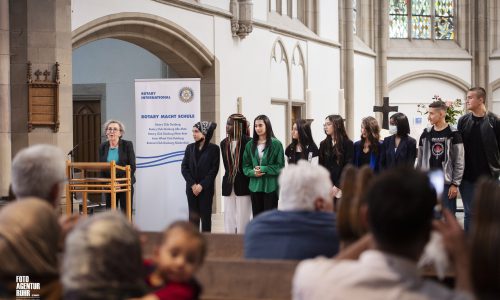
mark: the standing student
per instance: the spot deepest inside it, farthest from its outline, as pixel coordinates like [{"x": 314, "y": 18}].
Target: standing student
[
  {"x": 262, "y": 162},
  {"x": 480, "y": 130},
  {"x": 199, "y": 168},
  {"x": 303, "y": 145},
  {"x": 122, "y": 152},
  {"x": 440, "y": 147},
  {"x": 368, "y": 150},
  {"x": 235, "y": 192},
  {"x": 399, "y": 148},
  {"x": 336, "y": 150}
]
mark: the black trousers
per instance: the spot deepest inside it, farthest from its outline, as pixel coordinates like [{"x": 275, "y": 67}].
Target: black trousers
[
  {"x": 263, "y": 201},
  {"x": 200, "y": 209},
  {"x": 121, "y": 201}
]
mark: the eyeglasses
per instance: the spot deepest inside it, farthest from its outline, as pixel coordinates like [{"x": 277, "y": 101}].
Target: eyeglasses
[{"x": 113, "y": 129}]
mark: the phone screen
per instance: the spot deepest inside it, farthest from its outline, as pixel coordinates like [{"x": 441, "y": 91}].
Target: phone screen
[{"x": 436, "y": 177}]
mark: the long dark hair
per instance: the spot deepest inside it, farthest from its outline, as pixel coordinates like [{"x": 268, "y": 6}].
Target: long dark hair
[
  {"x": 402, "y": 124},
  {"x": 339, "y": 136},
  {"x": 240, "y": 129},
  {"x": 305, "y": 135},
  {"x": 269, "y": 131},
  {"x": 372, "y": 131}
]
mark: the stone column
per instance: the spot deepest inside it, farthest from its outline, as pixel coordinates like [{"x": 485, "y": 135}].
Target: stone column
[
  {"x": 348, "y": 64},
  {"x": 40, "y": 33},
  {"x": 481, "y": 47},
  {"x": 5, "y": 145},
  {"x": 382, "y": 42}
]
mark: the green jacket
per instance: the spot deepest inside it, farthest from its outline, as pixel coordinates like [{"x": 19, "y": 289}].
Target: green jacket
[{"x": 273, "y": 161}]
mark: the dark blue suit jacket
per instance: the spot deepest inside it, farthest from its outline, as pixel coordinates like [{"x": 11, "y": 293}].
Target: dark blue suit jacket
[
  {"x": 374, "y": 158},
  {"x": 404, "y": 155}
]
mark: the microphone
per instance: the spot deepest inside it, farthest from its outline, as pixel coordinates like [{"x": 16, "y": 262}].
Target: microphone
[{"x": 73, "y": 150}]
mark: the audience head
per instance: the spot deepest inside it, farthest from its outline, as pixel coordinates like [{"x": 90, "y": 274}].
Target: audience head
[
  {"x": 29, "y": 240},
  {"x": 400, "y": 211},
  {"x": 354, "y": 183},
  {"x": 401, "y": 124},
  {"x": 485, "y": 240},
  {"x": 103, "y": 259},
  {"x": 476, "y": 98},
  {"x": 39, "y": 171},
  {"x": 437, "y": 112},
  {"x": 370, "y": 131},
  {"x": 181, "y": 252},
  {"x": 305, "y": 187}
]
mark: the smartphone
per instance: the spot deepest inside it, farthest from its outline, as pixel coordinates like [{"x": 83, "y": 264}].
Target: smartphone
[{"x": 436, "y": 177}]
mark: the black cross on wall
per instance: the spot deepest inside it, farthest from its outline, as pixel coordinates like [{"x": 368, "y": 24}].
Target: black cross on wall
[{"x": 385, "y": 110}]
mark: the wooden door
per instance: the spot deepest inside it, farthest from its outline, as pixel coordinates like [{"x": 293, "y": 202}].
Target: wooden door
[{"x": 86, "y": 130}]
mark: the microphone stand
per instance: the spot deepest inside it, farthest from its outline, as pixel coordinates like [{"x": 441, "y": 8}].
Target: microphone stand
[{"x": 72, "y": 175}]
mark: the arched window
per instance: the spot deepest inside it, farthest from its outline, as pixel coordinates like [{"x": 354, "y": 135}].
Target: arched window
[{"x": 422, "y": 19}]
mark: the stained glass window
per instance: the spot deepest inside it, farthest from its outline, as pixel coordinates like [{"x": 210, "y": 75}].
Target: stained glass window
[
  {"x": 422, "y": 19},
  {"x": 398, "y": 19}
]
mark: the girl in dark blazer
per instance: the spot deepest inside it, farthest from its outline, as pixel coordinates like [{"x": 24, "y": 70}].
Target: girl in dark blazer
[
  {"x": 199, "y": 167},
  {"x": 399, "y": 148},
  {"x": 302, "y": 146},
  {"x": 235, "y": 192},
  {"x": 336, "y": 150},
  {"x": 368, "y": 150},
  {"x": 122, "y": 152}
]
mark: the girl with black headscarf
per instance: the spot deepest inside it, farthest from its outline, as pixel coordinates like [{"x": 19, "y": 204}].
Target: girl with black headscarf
[{"x": 199, "y": 168}]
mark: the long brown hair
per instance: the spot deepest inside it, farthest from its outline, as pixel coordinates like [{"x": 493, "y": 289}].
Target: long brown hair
[
  {"x": 353, "y": 185},
  {"x": 339, "y": 136},
  {"x": 485, "y": 240},
  {"x": 372, "y": 131}
]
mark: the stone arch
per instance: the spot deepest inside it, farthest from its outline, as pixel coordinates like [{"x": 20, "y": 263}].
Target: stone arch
[
  {"x": 452, "y": 79},
  {"x": 165, "y": 39}
]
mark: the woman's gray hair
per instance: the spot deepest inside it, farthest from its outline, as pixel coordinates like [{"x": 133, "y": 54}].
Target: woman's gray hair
[
  {"x": 103, "y": 259},
  {"x": 36, "y": 169},
  {"x": 301, "y": 184},
  {"x": 120, "y": 124}
]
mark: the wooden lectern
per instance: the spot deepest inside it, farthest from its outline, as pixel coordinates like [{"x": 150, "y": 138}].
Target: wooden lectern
[{"x": 85, "y": 185}]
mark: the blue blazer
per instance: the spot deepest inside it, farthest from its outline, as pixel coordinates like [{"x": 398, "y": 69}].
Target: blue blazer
[
  {"x": 374, "y": 158},
  {"x": 404, "y": 155}
]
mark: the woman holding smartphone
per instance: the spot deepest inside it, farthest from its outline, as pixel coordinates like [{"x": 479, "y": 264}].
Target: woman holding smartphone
[{"x": 263, "y": 160}]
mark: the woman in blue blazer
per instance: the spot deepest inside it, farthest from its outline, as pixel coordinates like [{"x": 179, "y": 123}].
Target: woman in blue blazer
[
  {"x": 368, "y": 150},
  {"x": 400, "y": 149}
]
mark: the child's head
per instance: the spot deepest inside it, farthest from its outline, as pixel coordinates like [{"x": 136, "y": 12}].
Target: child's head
[{"x": 181, "y": 252}]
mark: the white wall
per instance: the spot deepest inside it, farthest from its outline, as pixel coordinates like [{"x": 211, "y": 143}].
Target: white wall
[
  {"x": 117, "y": 64},
  {"x": 364, "y": 91},
  {"x": 222, "y": 4},
  {"x": 400, "y": 67},
  {"x": 324, "y": 84},
  {"x": 329, "y": 19},
  {"x": 260, "y": 10},
  {"x": 413, "y": 92}
]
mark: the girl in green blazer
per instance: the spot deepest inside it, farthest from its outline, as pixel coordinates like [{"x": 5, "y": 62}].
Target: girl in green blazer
[{"x": 263, "y": 160}]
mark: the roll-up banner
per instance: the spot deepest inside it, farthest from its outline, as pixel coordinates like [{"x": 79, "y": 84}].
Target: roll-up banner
[{"x": 166, "y": 110}]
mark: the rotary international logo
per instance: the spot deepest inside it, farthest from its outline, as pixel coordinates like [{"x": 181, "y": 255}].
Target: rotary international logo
[{"x": 186, "y": 94}]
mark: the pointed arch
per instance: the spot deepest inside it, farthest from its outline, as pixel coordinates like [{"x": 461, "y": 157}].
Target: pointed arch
[
  {"x": 298, "y": 73},
  {"x": 280, "y": 71}
]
